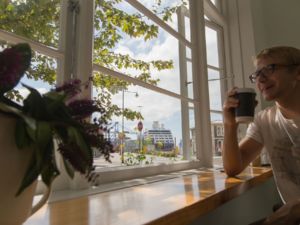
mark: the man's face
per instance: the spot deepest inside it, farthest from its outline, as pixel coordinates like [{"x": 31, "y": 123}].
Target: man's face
[{"x": 277, "y": 82}]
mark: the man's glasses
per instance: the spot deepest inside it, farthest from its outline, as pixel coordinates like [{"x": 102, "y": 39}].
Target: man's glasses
[{"x": 267, "y": 71}]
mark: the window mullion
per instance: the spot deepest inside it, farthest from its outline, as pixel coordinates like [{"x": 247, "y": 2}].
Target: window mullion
[
  {"x": 183, "y": 88},
  {"x": 135, "y": 81},
  {"x": 84, "y": 43},
  {"x": 36, "y": 46},
  {"x": 201, "y": 93}
]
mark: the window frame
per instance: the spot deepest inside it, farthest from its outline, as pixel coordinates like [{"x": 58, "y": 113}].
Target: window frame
[{"x": 82, "y": 53}]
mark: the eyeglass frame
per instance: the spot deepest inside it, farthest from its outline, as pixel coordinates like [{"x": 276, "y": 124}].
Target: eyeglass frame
[{"x": 269, "y": 69}]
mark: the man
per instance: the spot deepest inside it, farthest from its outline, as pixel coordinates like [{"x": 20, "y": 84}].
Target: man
[{"x": 276, "y": 128}]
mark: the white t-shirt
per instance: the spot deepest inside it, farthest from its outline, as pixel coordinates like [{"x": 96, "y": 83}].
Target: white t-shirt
[{"x": 281, "y": 139}]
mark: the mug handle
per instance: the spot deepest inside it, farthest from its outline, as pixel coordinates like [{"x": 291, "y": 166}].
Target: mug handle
[{"x": 42, "y": 201}]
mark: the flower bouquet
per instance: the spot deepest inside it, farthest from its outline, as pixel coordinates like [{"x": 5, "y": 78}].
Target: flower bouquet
[{"x": 56, "y": 116}]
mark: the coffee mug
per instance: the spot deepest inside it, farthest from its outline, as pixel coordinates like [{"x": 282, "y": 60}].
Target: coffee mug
[{"x": 244, "y": 113}]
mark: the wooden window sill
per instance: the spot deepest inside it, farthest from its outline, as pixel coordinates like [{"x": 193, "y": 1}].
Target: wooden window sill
[{"x": 175, "y": 201}]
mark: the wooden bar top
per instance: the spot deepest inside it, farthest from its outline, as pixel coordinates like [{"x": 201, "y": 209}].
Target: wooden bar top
[{"x": 175, "y": 201}]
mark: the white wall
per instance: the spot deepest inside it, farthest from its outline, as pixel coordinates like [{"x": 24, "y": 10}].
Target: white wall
[
  {"x": 258, "y": 24},
  {"x": 276, "y": 22}
]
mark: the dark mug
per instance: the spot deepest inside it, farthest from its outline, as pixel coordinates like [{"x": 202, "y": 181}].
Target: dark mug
[{"x": 244, "y": 113}]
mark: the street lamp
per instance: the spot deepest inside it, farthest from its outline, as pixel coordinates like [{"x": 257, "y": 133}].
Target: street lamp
[
  {"x": 122, "y": 146},
  {"x": 140, "y": 128}
]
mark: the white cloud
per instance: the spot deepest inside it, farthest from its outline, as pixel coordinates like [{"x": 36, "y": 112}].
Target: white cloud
[{"x": 154, "y": 106}]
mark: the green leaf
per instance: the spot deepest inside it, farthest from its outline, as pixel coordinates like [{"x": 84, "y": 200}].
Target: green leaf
[
  {"x": 43, "y": 143},
  {"x": 77, "y": 138},
  {"x": 15, "y": 111},
  {"x": 50, "y": 170},
  {"x": 31, "y": 132},
  {"x": 31, "y": 175},
  {"x": 43, "y": 134},
  {"x": 10, "y": 7},
  {"x": 21, "y": 136},
  {"x": 34, "y": 105}
]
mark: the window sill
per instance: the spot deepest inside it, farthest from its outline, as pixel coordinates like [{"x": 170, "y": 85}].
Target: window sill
[{"x": 179, "y": 200}]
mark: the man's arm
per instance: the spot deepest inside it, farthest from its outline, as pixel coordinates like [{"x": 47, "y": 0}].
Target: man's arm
[
  {"x": 236, "y": 156},
  {"x": 289, "y": 214}
]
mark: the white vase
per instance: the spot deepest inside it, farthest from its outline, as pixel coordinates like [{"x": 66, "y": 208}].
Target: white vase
[
  {"x": 79, "y": 182},
  {"x": 14, "y": 210}
]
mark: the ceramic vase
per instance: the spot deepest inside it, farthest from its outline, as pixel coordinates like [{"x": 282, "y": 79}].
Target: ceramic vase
[{"x": 14, "y": 210}]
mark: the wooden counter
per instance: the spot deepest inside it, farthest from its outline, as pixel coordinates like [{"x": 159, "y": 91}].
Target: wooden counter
[{"x": 176, "y": 201}]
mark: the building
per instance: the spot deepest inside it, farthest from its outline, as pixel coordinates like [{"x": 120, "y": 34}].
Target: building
[
  {"x": 217, "y": 133},
  {"x": 160, "y": 137}
]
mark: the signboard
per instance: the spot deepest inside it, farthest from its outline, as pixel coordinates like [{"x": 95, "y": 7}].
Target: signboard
[{"x": 140, "y": 126}]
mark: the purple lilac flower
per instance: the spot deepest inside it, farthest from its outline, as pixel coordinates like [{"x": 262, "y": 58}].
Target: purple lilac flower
[
  {"x": 83, "y": 108},
  {"x": 10, "y": 65},
  {"x": 70, "y": 88},
  {"x": 74, "y": 156}
]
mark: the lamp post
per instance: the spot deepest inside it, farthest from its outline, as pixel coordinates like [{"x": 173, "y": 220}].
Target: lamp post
[
  {"x": 140, "y": 128},
  {"x": 122, "y": 137}
]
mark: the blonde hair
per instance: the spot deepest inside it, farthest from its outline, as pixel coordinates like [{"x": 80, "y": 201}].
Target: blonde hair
[{"x": 289, "y": 55}]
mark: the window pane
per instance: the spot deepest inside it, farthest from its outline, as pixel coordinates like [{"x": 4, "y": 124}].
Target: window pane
[
  {"x": 120, "y": 47},
  {"x": 212, "y": 47},
  {"x": 159, "y": 139},
  {"x": 189, "y": 82},
  {"x": 36, "y": 20},
  {"x": 217, "y": 129},
  {"x": 215, "y": 100},
  {"x": 193, "y": 149},
  {"x": 217, "y": 142},
  {"x": 216, "y": 117},
  {"x": 187, "y": 28},
  {"x": 214, "y": 90}
]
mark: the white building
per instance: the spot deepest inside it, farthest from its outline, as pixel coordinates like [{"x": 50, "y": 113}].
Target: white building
[{"x": 158, "y": 134}]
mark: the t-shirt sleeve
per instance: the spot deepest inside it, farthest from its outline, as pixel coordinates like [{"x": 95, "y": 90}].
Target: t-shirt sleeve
[{"x": 254, "y": 129}]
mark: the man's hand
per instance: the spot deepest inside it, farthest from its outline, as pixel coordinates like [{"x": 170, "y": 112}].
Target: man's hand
[
  {"x": 289, "y": 214},
  {"x": 228, "y": 107}
]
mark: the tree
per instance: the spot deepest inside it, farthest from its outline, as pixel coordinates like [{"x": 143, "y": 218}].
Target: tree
[{"x": 39, "y": 20}]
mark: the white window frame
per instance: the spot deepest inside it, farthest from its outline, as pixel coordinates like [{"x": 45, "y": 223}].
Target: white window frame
[{"x": 75, "y": 60}]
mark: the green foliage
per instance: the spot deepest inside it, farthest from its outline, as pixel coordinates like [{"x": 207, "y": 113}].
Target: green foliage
[
  {"x": 166, "y": 154},
  {"x": 132, "y": 159},
  {"x": 39, "y": 20}
]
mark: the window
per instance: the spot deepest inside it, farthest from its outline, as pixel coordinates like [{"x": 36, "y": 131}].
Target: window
[
  {"x": 142, "y": 66},
  {"x": 217, "y": 78},
  {"x": 160, "y": 98}
]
